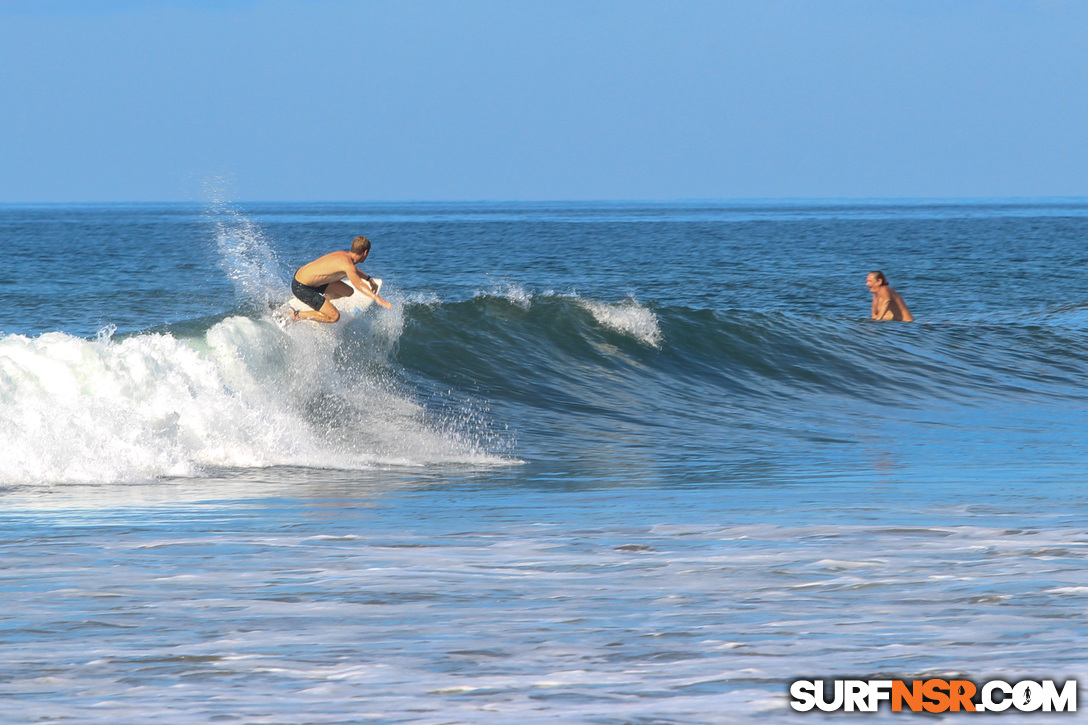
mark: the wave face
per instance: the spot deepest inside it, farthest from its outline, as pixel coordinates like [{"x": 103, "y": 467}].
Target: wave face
[
  {"x": 744, "y": 382},
  {"x": 547, "y": 334},
  {"x": 519, "y": 343}
]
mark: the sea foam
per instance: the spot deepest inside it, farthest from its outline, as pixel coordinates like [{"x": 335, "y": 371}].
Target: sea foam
[{"x": 244, "y": 394}]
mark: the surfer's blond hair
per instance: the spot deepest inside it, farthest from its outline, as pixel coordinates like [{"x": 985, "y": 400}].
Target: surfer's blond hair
[{"x": 360, "y": 245}]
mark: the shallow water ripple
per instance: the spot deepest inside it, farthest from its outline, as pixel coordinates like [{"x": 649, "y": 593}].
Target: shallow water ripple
[{"x": 613, "y": 622}]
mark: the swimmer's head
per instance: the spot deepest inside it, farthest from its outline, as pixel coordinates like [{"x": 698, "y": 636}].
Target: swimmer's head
[{"x": 876, "y": 279}]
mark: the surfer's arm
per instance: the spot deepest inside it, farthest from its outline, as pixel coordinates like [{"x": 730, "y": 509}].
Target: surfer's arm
[
  {"x": 365, "y": 287},
  {"x": 882, "y": 304},
  {"x": 369, "y": 280}
]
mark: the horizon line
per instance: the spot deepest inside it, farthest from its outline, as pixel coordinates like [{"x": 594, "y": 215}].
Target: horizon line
[{"x": 692, "y": 200}]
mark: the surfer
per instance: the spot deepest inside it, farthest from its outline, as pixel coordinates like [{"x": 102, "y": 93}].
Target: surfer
[
  {"x": 887, "y": 304},
  {"x": 319, "y": 282}
]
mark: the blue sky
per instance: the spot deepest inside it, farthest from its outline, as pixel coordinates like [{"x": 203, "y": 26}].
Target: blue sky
[{"x": 549, "y": 100}]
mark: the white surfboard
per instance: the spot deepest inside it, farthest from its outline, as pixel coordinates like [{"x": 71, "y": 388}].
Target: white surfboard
[{"x": 347, "y": 306}]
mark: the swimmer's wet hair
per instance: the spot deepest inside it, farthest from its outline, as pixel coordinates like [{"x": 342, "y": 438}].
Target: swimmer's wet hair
[
  {"x": 880, "y": 276},
  {"x": 360, "y": 245}
]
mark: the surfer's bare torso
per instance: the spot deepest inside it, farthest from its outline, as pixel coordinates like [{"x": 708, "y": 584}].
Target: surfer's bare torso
[
  {"x": 332, "y": 267},
  {"x": 887, "y": 303}
]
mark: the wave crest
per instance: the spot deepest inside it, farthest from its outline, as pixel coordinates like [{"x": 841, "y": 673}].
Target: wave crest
[{"x": 628, "y": 318}]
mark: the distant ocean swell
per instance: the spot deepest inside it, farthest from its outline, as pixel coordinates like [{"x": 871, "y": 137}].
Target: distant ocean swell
[{"x": 411, "y": 387}]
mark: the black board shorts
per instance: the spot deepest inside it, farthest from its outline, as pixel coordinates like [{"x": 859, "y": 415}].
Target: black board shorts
[{"x": 313, "y": 296}]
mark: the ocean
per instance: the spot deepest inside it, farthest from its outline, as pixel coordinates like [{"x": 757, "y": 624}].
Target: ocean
[{"x": 601, "y": 463}]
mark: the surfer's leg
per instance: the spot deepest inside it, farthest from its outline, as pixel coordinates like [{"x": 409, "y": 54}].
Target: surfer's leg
[{"x": 327, "y": 313}]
